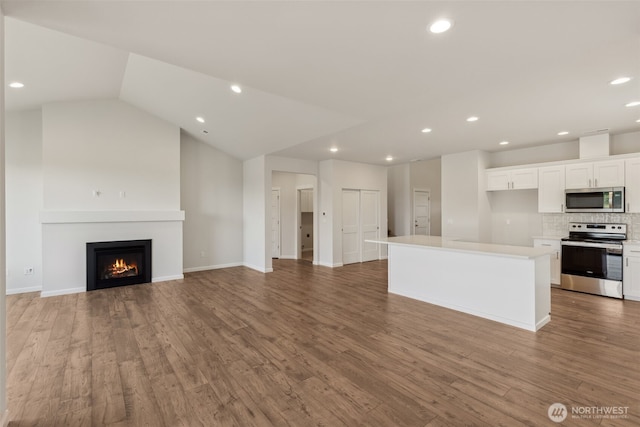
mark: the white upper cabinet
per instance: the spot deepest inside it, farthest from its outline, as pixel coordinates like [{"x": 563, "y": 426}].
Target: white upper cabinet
[
  {"x": 551, "y": 188},
  {"x": 608, "y": 173},
  {"x": 632, "y": 189},
  {"x": 579, "y": 175},
  {"x": 514, "y": 179}
]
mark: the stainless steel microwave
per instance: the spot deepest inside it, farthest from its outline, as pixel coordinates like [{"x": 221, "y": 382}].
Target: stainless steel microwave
[{"x": 610, "y": 199}]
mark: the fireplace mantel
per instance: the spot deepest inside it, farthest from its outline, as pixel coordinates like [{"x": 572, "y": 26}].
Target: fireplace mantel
[{"x": 76, "y": 217}]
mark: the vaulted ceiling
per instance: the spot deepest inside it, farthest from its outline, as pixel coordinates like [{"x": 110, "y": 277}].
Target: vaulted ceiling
[{"x": 364, "y": 77}]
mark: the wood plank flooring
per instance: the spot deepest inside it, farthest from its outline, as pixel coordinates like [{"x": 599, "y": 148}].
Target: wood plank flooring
[{"x": 309, "y": 346}]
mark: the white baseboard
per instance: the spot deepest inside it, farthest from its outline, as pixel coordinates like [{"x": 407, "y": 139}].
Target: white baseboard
[
  {"x": 260, "y": 269},
  {"x": 383, "y": 257},
  {"x": 288, "y": 257},
  {"x": 167, "y": 278},
  {"x": 337, "y": 264},
  {"x": 212, "y": 267},
  {"x": 5, "y": 418},
  {"x": 62, "y": 292},
  {"x": 24, "y": 290}
]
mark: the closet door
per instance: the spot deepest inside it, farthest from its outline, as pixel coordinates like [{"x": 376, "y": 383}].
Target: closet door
[
  {"x": 350, "y": 226},
  {"x": 369, "y": 223}
]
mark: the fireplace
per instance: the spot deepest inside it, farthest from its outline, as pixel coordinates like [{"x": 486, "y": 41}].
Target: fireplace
[{"x": 121, "y": 263}]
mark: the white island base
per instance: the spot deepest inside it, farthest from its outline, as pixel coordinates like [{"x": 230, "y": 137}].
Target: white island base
[{"x": 508, "y": 284}]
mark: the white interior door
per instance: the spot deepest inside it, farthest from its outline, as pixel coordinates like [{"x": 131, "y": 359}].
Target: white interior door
[
  {"x": 275, "y": 223},
  {"x": 369, "y": 223},
  {"x": 350, "y": 226},
  {"x": 421, "y": 212}
]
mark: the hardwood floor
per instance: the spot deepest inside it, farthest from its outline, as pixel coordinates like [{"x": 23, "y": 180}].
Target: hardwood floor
[{"x": 308, "y": 345}]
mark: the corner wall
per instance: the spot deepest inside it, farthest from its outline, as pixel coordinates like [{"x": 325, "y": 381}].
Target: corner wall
[
  {"x": 23, "y": 162},
  {"x": 4, "y": 414},
  {"x": 211, "y": 197}
]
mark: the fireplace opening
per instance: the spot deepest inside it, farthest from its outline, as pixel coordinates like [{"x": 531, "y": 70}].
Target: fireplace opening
[{"x": 121, "y": 263}]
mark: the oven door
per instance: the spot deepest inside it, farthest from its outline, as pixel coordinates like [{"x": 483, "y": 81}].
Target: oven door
[{"x": 600, "y": 261}]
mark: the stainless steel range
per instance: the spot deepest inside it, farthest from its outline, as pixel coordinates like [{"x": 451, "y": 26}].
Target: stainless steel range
[{"x": 592, "y": 258}]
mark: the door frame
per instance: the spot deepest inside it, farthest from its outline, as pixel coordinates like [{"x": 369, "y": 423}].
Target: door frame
[{"x": 413, "y": 210}]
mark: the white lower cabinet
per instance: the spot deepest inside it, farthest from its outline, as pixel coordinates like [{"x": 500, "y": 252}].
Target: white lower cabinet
[
  {"x": 631, "y": 272},
  {"x": 553, "y": 244}
]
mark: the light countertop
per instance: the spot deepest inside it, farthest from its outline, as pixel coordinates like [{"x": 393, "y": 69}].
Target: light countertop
[
  {"x": 549, "y": 237},
  {"x": 450, "y": 244}
]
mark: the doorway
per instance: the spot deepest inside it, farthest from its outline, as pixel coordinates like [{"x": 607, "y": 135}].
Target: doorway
[
  {"x": 421, "y": 212},
  {"x": 360, "y": 222},
  {"x": 305, "y": 221}
]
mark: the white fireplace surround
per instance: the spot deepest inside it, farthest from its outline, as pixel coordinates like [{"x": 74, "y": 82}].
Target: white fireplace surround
[{"x": 65, "y": 234}]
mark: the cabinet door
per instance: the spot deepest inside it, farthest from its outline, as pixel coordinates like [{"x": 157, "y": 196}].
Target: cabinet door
[
  {"x": 608, "y": 174},
  {"x": 579, "y": 175},
  {"x": 498, "y": 180},
  {"x": 632, "y": 183},
  {"x": 524, "y": 178},
  {"x": 551, "y": 189},
  {"x": 631, "y": 275}
]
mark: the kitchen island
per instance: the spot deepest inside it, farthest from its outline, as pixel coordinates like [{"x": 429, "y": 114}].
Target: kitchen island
[{"x": 508, "y": 284}]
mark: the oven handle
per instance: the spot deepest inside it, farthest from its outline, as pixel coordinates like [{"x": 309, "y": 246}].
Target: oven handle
[{"x": 592, "y": 245}]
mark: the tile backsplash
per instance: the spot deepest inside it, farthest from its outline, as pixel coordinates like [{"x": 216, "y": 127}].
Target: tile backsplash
[{"x": 558, "y": 224}]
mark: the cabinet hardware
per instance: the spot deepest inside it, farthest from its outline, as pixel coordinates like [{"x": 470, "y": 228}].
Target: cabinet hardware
[
  {"x": 634, "y": 251},
  {"x": 557, "y": 255},
  {"x": 627, "y": 261},
  {"x": 561, "y": 207},
  {"x": 628, "y": 204},
  {"x": 546, "y": 244},
  {"x": 596, "y": 182},
  {"x": 589, "y": 182}
]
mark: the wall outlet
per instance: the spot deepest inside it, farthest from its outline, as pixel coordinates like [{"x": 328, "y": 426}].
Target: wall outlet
[{"x": 28, "y": 271}]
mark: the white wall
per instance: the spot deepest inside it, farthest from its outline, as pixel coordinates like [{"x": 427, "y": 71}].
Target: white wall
[
  {"x": 211, "y": 197},
  {"x": 254, "y": 219},
  {"x": 348, "y": 175},
  {"x": 23, "y": 133},
  {"x": 399, "y": 199},
  {"x": 111, "y": 147},
  {"x": 4, "y": 415},
  {"x": 515, "y": 218},
  {"x": 289, "y": 183},
  {"x": 427, "y": 175},
  {"x": 465, "y": 206},
  {"x": 625, "y": 143},
  {"x": 325, "y": 217}
]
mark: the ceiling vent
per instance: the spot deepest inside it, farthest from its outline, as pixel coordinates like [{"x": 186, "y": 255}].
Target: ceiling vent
[{"x": 594, "y": 144}]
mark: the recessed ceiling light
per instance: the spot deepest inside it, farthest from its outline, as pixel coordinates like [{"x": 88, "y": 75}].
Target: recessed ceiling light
[
  {"x": 620, "y": 80},
  {"x": 236, "y": 88},
  {"x": 504, "y": 143},
  {"x": 564, "y": 132},
  {"x": 333, "y": 149},
  {"x": 472, "y": 119},
  {"x": 633, "y": 104},
  {"x": 638, "y": 121},
  {"x": 440, "y": 26},
  {"x": 426, "y": 130},
  {"x": 16, "y": 85},
  {"x": 200, "y": 119},
  {"x": 389, "y": 158}
]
